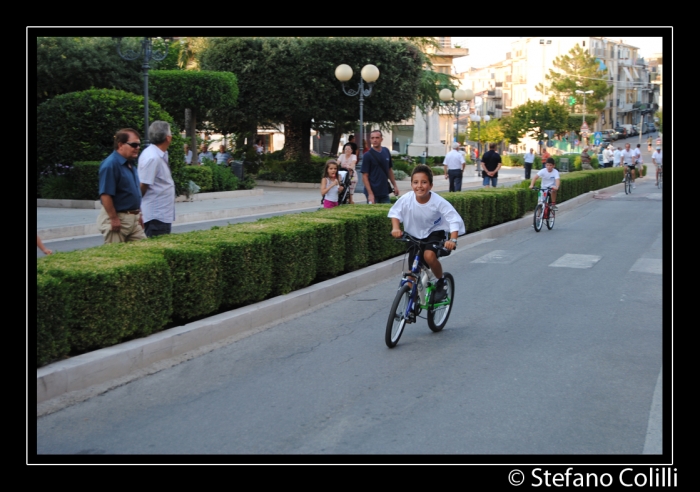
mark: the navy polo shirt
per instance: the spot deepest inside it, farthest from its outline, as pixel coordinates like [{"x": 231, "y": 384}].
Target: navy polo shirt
[{"x": 120, "y": 182}]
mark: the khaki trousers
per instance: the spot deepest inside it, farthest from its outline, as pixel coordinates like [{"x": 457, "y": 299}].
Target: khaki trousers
[{"x": 130, "y": 229}]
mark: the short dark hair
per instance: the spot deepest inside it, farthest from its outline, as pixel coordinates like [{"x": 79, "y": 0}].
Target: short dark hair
[
  {"x": 550, "y": 160},
  {"x": 122, "y": 136},
  {"x": 351, "y": 138},
  {"x": 492, "y": 146},
  {"x": 422, "y": 168}
]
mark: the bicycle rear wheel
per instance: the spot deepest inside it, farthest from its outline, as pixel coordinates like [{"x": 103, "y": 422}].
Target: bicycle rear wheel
[
  {"x": 397, "y": 317},
  {"x": 437, "y": 317},
  {"x": 550, "y": 218},
  {"x": 628, "y": 184},
  {"x": 539, "y": 212},
  {"x": 661, "y": 180}
]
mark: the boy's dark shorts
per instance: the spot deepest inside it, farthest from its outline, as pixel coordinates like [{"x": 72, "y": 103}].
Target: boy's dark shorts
[{"x": 435, "y": 236}]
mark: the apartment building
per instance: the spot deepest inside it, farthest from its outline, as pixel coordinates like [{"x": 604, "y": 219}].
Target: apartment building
[{"x": 521, "y": 77}]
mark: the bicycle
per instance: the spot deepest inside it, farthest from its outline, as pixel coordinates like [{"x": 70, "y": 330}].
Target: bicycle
[
  {"x": 659, "y": 183},
  {"x": 628, "y": 180},
  {"x": 415, "y": 294},
  {"x": 544, "y": 211}
]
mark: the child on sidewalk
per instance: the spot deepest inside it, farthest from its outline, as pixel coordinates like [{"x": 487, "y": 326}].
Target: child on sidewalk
[
  {"x": 330, "y": 184},
  {"x": 427, "y": 216}
]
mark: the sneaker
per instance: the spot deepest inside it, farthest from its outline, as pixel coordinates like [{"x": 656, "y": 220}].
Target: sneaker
[
  {"x": 623, "y": 180},
  {"x": 634, "y": 185},
  {"x": 440, "y": 291},
  {"x": 555, "y": 208}
]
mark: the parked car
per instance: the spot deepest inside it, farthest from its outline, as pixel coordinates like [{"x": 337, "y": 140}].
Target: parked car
[
  {"x": 609, "y": 135},
  {"x": 635, "y": 130},
  {"x": 621, "y": 132}
]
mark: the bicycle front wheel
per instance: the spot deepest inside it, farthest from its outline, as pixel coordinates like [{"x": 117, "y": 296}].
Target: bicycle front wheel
[
  {"x": 550, "y": 218},
  {"x": 661, "y": 180},
  {"x": 437, "y": 316},
  {"x": 397, "y": 317},
  {"x": 628, "y": 184},
  {"x": 539, "y": 212}
]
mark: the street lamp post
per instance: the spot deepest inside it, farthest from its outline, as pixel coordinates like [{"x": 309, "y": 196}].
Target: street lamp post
[
  {"x": 477, "y": 118},
  {"x": 583, "y": 117},
  {"x": 369, "y": 74},
  {"x": 458, "y": 96},
  {"x": 148, "y": 54}
]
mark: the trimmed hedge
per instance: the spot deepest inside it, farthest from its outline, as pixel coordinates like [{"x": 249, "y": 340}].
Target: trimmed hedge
[
  {"x": 112, "y": 294},
  {"x": 98, "y": 297}
]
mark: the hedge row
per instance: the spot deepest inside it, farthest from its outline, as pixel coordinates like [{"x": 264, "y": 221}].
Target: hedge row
[{"x": 102, "y": 296}]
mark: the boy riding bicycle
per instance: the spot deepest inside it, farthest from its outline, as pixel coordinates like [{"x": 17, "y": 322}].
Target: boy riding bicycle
[
  {"x": 429, "y": 217},
  {"x": 550, "y": 179}
]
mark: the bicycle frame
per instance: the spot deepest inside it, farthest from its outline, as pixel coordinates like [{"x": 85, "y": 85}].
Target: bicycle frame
[{"x": 421, "y": 290}]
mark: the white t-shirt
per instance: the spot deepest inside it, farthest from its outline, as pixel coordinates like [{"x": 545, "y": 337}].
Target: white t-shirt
[
  {"x": 332, "y": 194},
  {"x": 637, "y": 155},
  {"x": 617, "y": 156},
  {"x": 548, "y": 179},
  {"x": 628, "y": 157},
  {"x": 420, "y": 219},
  {"x": 454, "y": 160},
  {"x": 657, "y": 157}
]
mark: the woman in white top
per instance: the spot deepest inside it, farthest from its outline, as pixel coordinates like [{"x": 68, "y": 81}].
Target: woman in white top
[{"x": 348, "y": 160}]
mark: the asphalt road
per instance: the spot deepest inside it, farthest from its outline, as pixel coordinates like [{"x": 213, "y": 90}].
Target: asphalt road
[{"x": 554, "y": 347}]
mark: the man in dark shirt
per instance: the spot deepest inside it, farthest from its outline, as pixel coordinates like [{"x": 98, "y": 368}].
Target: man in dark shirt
[
  {"x": 377, "y": 171},
  {"x": 120, "y": 218},
  {"x": 490, "y": 164}
]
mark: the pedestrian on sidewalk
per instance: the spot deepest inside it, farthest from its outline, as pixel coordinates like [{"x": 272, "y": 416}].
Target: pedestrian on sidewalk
[
  {"x": 529, "y": 161},
  {"x": 491, "y": 163},
  {"x": 377, "y": 172},
  {"x": 454, "y": 167},
  {"x": 120, "y": 218},
  {"x": 157, "y": 185}
]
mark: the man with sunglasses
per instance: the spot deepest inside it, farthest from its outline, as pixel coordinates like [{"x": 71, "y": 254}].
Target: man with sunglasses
[{"x": 120, "y": 218}]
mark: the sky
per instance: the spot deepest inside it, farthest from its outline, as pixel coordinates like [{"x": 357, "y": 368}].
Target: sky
[{"x": 485, "y": 51}]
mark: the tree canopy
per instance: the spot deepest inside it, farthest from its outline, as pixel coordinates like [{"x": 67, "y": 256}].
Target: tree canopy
[
  {"x": 580, "y": 71},
  {"x": 72, "y": 64},
  {"x": 292, "y": 81},
  {"x": 198, "y": 91},
  {"x": 535, "y": 117}
]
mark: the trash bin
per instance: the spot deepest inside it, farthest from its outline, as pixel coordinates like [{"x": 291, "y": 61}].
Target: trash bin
[
  {"x": 237, "y": 169},
  {"x": 563, "y": 165}
]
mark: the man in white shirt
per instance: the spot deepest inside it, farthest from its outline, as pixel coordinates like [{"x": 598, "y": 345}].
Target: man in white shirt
[
  {"x": 529, "y": 161},
  {"x": 638, "y": 160},
  {"x": 156, "y": 182},
  {"x": 657, "y": 158},
  {"x": 204, "y": 153},
  {"x": 628, "y": 161},
  {"x": 608, "y": 156},
  {"x": 617, "y": 157},
  {"x": 454, "y": 167}
]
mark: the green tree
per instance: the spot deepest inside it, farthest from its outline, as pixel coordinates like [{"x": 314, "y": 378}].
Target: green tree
[
  {"x": 579, "y": 71},
  {"x": 535, "y": 117},
  {"x": 292, "y": 81},
  {"x": 660, "y": 116},
  {"x": 80, "y": 126},
  {"x": 69, "y": 64},
  {"x": 198, "y": 91}
]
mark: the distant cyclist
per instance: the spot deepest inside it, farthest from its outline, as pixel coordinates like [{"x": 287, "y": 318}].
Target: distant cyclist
[
  {"x": 550, "y": 179},
  {"x": 628, "y": 162}
]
